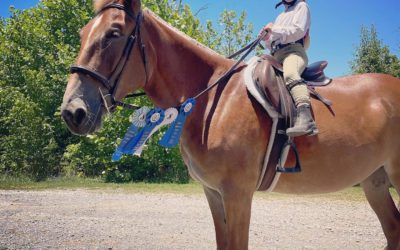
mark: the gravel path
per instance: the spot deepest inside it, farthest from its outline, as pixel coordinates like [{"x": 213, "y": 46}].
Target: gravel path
[{"x": 90, "y": 219}]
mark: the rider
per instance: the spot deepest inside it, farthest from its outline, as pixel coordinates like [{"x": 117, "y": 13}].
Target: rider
[{"x": 288, "y": 39}]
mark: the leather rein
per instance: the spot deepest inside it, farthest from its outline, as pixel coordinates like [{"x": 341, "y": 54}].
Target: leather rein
[{"x": 111, "y": 83}]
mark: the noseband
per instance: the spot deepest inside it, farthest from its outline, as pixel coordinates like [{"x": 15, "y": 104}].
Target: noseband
[{"x": 111, "y": 83}]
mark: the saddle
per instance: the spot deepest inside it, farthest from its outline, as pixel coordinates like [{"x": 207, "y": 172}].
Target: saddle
[
  {"x": 268, "y": 75},
  {"x": 268, "y": 80}
]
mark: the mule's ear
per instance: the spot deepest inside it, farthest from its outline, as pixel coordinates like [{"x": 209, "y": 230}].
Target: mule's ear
[{"x": 136, "y": 5}]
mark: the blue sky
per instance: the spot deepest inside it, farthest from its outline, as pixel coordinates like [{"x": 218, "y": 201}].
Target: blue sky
[{"x": 335, "y": 24}]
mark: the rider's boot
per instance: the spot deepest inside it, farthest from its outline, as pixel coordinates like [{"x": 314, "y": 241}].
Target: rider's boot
[{"x": 305, "y": 124}]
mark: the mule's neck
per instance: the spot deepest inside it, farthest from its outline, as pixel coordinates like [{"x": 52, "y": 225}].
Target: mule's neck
[{"x": 180, "y": 67}]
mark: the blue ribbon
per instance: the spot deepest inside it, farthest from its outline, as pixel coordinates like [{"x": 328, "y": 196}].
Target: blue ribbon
[
  {"x": 133, "y": 139},
  {"x": 122, "y": 148},
  {"x": 154, "y": 118},
  {"x": 138, "y": 121},
  {"x": 173, "y": 134}
]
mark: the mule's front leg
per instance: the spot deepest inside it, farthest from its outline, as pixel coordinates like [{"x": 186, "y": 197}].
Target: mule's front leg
[
  {"x": 216, "y": 204},
  {"x": 237, "y": 206},
  {"x": 231, "y": 212}
]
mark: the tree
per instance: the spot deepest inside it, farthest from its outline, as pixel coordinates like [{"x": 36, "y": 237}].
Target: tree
[
  {"x": 372, "y": 56},
  {"x": 36, "y": 48},
  {"x": 235, "y": 33}
]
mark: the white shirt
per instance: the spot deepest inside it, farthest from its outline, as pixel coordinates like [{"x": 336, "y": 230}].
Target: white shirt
[{"x": 291, "y": 25}]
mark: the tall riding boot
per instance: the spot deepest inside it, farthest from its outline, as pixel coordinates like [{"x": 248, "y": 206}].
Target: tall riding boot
[{"x": 305, "y": 124}]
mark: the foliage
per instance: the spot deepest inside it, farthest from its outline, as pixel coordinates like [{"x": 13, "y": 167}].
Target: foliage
[
  {"x": 373, "y": 57},
  {"x": 27, "y": 145},
  {"x": 234, "y": 35},
  {"x": 92, "y": 157},
  {"x": 36, "y": 48}
]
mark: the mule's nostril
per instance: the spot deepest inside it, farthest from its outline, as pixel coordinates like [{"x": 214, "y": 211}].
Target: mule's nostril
[
  {"x": 67, "y": 115},
  {"x": 79, "y": 116}
]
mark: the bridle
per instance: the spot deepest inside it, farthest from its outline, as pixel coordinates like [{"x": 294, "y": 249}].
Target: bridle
[{"x": 111, "y": 83}]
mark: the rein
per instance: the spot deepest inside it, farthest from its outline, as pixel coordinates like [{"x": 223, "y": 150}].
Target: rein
[
  {"x": 111, "y": 83},
  {"x": 146, "y": 122},
  {"x": 249, "y": 48}
]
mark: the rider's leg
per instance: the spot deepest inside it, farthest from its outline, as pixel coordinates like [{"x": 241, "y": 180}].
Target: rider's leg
[{"x": 293, "y": 66}]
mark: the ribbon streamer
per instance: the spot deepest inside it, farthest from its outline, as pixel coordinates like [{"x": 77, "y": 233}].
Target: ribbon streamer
[
  {"x": 138, "y": 121},
  {"x": 134, "y": 138},
  {"x": 170, "y": 116},
  {"x": 173, "y": 134},
  {"x": 153, "y": 119}
]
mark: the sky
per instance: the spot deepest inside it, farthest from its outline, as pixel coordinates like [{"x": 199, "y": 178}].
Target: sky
[{"x": 335, "y": 28}]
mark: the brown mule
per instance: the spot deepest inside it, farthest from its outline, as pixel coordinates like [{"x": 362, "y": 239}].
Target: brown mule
[{"x": 225, "y": 138}]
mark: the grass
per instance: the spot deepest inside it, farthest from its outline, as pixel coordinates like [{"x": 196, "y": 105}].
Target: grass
[{"x": 7, "y": 183}]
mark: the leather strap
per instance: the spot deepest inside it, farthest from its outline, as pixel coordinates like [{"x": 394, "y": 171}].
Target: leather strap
[
  {"x": 92, "y": 73},
  {"x": 293, "y": 84},
  {"x": 325, "y": 101},
  {"x": 278, "y": 143},
  {"x": 112, "y": 82}
]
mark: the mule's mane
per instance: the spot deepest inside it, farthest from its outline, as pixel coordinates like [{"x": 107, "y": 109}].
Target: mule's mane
[{"x": 180, "y": 33}]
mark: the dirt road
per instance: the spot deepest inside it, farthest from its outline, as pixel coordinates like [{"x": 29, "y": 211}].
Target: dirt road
[{"x": 90, "y": 219}]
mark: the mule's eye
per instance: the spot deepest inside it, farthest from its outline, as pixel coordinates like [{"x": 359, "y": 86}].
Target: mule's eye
[{"x": 113, "y": 34}]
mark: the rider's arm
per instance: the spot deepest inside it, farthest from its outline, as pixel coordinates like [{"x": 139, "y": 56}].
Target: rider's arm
[{"x": 291, "y": 26}]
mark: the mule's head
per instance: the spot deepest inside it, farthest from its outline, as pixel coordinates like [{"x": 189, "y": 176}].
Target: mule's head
[{"x": 103, "y": 42}]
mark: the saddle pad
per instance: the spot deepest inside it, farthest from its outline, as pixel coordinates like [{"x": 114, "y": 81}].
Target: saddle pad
[{"x": 258, "y": 95}]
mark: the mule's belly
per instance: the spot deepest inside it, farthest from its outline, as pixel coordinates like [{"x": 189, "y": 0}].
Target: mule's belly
[
  {"x": 327, "y": 172},
  {"x": 361, "y": 137}
]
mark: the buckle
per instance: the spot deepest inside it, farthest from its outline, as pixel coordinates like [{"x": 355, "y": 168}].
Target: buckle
[{"x": 108, "y": 101}]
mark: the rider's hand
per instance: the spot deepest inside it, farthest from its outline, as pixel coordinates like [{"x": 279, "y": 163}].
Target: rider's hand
[{"x": 266, "y": 31}]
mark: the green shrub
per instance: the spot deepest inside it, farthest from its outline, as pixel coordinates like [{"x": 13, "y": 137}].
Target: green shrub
[{"x": 27, "y": 145}]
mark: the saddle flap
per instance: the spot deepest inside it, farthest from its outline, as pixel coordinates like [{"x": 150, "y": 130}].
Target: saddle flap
[
  {"x": 274, "y": 89},
  {"x": 313, "y": 74}
]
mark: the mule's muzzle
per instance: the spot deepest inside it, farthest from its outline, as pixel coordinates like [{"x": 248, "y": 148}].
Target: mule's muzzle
[{"x": 75, "y": 116}]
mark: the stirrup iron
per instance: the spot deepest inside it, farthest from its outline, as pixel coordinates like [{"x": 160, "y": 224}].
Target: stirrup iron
[{"x": 290, "y": 170}]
